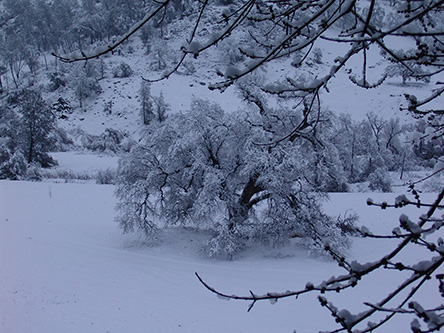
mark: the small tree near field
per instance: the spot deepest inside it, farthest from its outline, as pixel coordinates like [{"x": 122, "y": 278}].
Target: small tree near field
[
  {"x": 146, "y": 103},
  {"x": 36, "y": 124},
  {"x": 161, "y": 108}
]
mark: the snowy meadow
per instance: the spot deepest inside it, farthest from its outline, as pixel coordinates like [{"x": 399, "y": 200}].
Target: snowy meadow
[{"x": 68, "y": 268}]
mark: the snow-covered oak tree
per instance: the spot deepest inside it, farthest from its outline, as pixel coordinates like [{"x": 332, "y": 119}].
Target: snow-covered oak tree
[{"x": 213, "y": 171}]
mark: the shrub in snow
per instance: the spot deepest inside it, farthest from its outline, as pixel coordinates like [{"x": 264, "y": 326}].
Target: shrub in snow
[
  {"x": 428, "y": 139},
  {"x": 122, "y": 70},
  {"x": 34, "y": 173},
  {"x": 61, "y": 106},
  {"x": 56, "y": 80},
  {"x": 36, "y": 124},
  {"x": 12, "y": 164},
  {"x": 347, "y": 223},
  {"x": 297, "y": 59},
  {"x": 380, "y": 180},
  {"x": 417, "y": 73},
  {"x": 204, "y": 169},
  {"x": 229, "y": 52},
  {"x": 105, "y": 177},
  {"x": 110, "y": 140},
  {"x": 108, "y": 108},
  {"x": 189, "y": 67},
  {"x": 84, "y": 79},
  {"x": 317, "y": 55}
]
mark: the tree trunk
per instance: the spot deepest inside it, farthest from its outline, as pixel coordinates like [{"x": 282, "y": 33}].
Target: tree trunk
[
  {"x": 239, "y": 213},
  {"x": 31, "y": 149},
  {"x": 13, "y": 76}
]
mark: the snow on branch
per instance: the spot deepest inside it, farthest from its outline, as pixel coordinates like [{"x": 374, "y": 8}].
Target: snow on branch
[{"x": 402, "y": 295}]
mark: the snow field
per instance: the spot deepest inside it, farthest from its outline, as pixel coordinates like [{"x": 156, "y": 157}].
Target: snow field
[{"x": 65, "y": 267}]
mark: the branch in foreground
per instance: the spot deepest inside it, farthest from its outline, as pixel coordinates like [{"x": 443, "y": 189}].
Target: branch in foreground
[
  {"x": 101, "y": 50},
  {"x": 422, "y": 272}
]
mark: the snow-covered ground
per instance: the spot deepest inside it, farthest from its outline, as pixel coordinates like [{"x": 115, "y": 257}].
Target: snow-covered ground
[
  {"x": 65, "y": 267},
  {"x": 84, "y": 162}
]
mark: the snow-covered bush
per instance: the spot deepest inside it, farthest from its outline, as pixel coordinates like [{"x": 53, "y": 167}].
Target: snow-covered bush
[
  {"x": 412, "y": 72},
  {"x": 34, "y": 173},
  {"x": 61, "y": 106},
  {"x": 347, "y": 223},
  {"x": 317, "y": 55},
  {"x": 110, "y": 140},
  {"x": 84, "y": 79},
  {"x": 204, "y": 169},
  {"x": 105, "y": 177},
  {"x": 428, "y": 141},
  {"x": 12, "y": 164},
  {"x": 122, "y": 70},
  {"x": 297, "y": 59},
  {"x": 57, "y": 80},
  {"x": 189, "y": 67},
  {"x": 229, "y": 53},
  {"x": 108, "y": 108}
]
